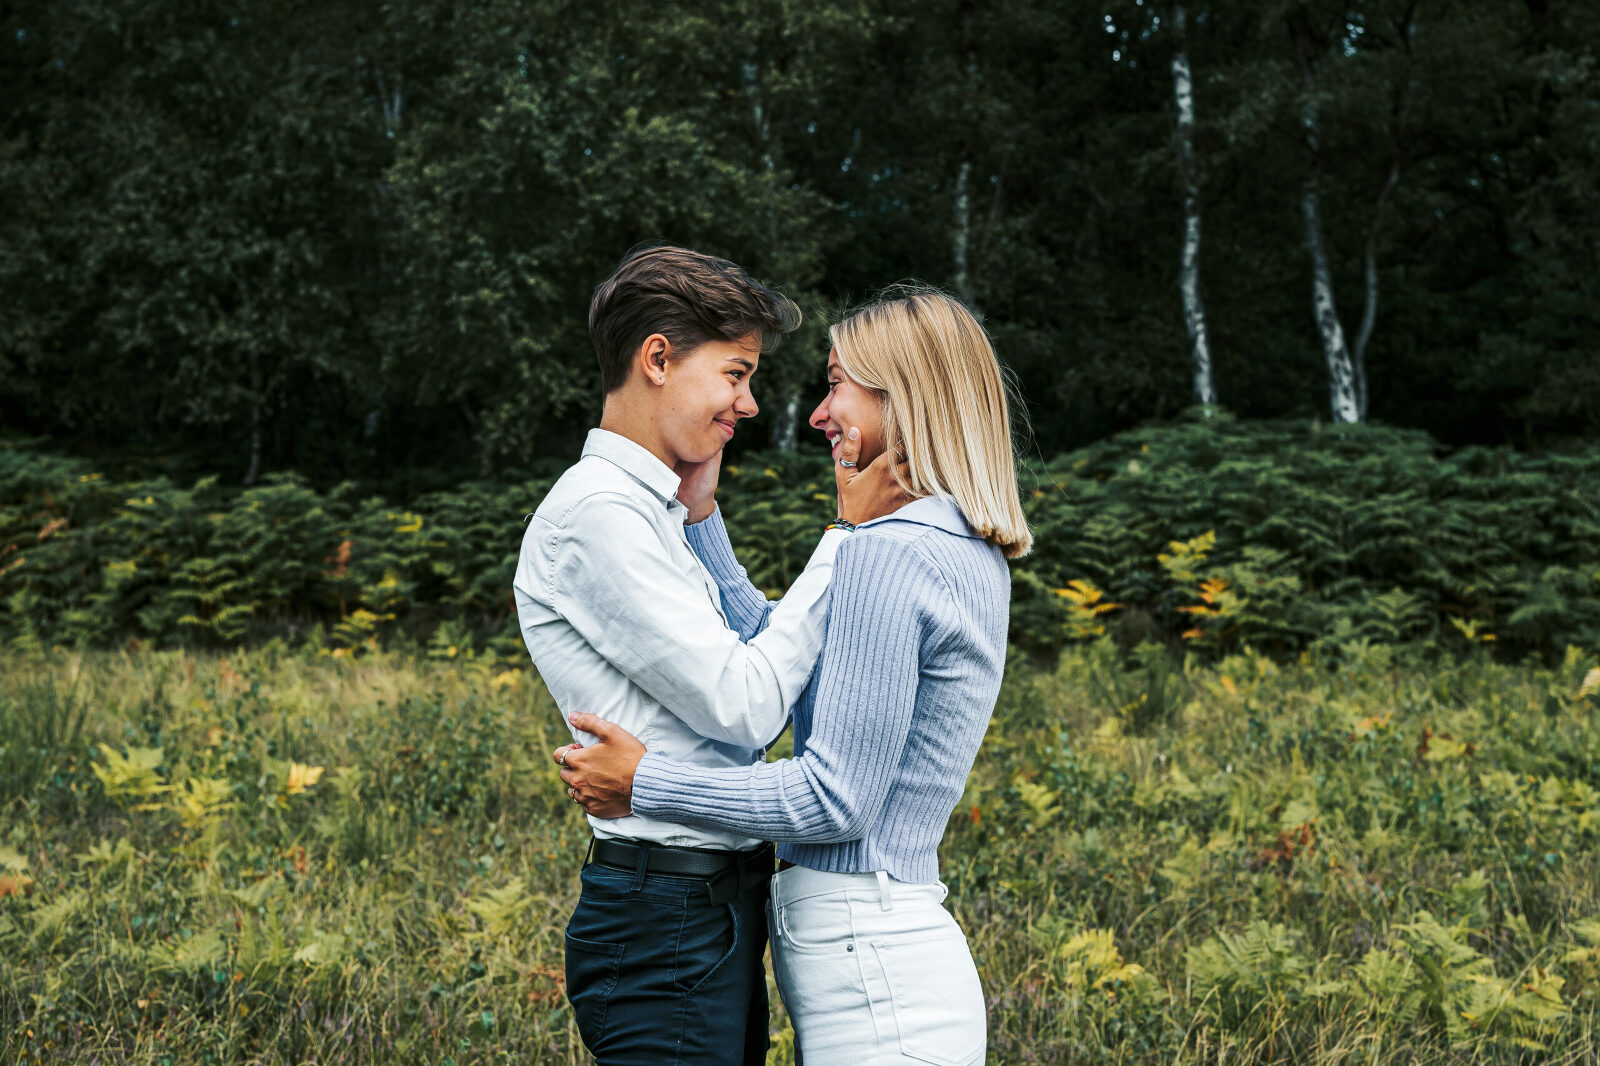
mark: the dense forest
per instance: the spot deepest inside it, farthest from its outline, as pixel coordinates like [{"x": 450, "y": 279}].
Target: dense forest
[{"x": 357, "y": 240}]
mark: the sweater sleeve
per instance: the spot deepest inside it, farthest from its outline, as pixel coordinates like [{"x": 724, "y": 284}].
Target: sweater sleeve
[
  {"x": 864, "y": 704},
  {"x": 746, "y": 607}
]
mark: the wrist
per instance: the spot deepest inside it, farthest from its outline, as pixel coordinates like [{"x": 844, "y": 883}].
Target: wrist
[{"x": 699, "y": 512}]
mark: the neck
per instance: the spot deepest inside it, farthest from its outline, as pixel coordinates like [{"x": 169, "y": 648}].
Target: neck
[{"x": 625, "y": 417}]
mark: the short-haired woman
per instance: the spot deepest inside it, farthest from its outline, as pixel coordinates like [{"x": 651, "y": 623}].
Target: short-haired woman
[{"x": 871, "y": 966}]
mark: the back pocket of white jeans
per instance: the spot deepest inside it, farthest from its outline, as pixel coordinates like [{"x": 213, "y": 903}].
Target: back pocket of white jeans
[{"x": 938, "y": 1004}]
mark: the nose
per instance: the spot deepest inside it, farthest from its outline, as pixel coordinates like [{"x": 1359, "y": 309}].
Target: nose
[
  {"x": 819, "y": 417},
  {"x": 744, "y": 405}
]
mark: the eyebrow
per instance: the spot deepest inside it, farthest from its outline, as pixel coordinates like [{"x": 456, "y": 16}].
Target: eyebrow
[{"x": 750, "y": 368}]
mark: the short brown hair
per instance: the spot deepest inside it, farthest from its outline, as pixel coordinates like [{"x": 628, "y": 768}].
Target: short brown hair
[{"x": 687, "y": 297}]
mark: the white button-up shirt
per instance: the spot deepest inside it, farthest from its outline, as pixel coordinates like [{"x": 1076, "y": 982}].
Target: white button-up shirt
[{"x": 623, "y": 621}]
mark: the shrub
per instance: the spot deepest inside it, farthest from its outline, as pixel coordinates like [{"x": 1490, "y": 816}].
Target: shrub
[{"x": 1219, "y": 535}]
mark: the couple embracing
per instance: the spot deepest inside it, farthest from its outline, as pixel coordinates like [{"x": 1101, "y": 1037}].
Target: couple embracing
[{"x": 676, "y": 673}]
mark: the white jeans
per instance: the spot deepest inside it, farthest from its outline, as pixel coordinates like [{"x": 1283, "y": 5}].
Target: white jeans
[{"x": 873, "y": 971}]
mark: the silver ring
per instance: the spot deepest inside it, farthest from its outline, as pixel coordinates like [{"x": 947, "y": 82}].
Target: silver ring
[
  {"x": 563, "y": 759},
  {"x": 846, "y": 462},
  {"x": 573, "y": 793}
]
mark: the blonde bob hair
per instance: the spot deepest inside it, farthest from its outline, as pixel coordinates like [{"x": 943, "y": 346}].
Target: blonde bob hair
[{"x": 944, "y": 405}]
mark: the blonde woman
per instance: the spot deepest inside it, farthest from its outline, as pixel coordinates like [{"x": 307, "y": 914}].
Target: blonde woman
[{"x": 871, "y": 966}]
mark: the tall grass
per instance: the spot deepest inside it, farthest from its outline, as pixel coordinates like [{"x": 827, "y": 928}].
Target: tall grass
[{"x": 1359, "y": 857}]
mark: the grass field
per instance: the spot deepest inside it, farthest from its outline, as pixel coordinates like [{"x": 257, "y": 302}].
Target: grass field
[{"x": 285, "y": 857}]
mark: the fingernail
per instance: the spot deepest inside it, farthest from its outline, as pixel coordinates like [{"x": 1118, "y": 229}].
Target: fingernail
[{"x": 854, "y": 433}]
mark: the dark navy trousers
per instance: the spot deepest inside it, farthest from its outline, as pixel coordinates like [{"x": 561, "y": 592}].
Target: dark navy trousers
[{"x": 659, "y": 974}]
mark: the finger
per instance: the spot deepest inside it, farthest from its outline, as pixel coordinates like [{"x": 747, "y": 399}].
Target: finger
[
  {"x": 569, "y": 777},
  {"x": 850, "y": 446},
  {"x": 560, "y": 754},
  {"x": 589, "y": 723}
]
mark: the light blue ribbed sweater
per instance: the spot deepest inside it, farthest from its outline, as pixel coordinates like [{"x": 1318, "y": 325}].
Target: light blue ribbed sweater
[{"x": 887, "y": 729}]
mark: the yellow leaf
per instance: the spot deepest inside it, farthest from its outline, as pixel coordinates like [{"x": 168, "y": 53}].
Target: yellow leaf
[
  {"x": 302, "y": 777},
  {"x": 1442, "y": 749},
  {"x": 1370, "y": 724},
  {"x": 1591, "y": 684}
]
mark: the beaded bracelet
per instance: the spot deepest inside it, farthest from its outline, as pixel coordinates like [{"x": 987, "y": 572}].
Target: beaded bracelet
[{"x": 839, "y": 523}]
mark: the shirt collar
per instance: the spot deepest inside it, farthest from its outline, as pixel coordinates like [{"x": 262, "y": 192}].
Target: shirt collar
[
  {"x": 939, "y": 512},
  {"x": 635, "y": 460}
]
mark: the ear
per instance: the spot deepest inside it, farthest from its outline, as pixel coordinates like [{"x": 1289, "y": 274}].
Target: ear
[{"x": 652, "y": 358}]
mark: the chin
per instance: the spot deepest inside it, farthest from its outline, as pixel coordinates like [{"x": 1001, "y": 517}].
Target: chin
[{"x": 702, "y": 454}]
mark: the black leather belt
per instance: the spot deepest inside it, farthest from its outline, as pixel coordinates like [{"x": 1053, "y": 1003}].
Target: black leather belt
[{"x": 726, "y": 872}]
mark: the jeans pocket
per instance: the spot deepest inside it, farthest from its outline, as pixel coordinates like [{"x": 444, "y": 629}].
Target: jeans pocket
[
  {"x": 592, "y": 973},
  {"x": 816, "y": 924},
  {"x": 936, "y": 998},
  {"x": 707, "y": 939}
]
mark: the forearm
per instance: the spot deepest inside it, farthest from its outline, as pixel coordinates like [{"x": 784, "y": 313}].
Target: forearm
[
  {"x": 747, "y": 607},
  {"x": 865, "y": 701},
  {"x": 789, "y": 800}
]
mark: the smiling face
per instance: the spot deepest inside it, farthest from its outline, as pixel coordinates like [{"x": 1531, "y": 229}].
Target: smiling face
[
  {"x": 847, "y": 404},
  {"x": 704, "y": 395}
]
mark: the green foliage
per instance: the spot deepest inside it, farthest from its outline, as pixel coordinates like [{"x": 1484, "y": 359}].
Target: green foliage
[
  {"x": 92, "y": 562},
  {"x": 41, "y": 722},
  {"x": 1218, "y": 534},
  {"x": 1276, "y": 535},
  {"x": 1252, "y": 979},
  {"x": 259, "y": 841},
  {"x": 376, "y": 258},
  {"x": 281, "y": 856}
]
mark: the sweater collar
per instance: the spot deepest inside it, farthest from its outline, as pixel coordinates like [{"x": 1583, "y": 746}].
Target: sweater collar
[{"x": 940, "y": 512}]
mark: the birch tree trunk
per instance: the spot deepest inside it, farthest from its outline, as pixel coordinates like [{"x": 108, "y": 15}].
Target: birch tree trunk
[
  {"x": 1405, "y": 27},
  {"x": 961, "y": 240},
  {"x": 784, "y": 434},
  {"x": 1369, "y": 311},
  {"x": 1194, "y": 312},
  {"x": 1341, "y": 371},
  {"x": 253, "y": 470},
  {"x": 961, "y": 228},
  {"x": 1309, "y": 43},
  {"x": 390, "y": 104}
]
